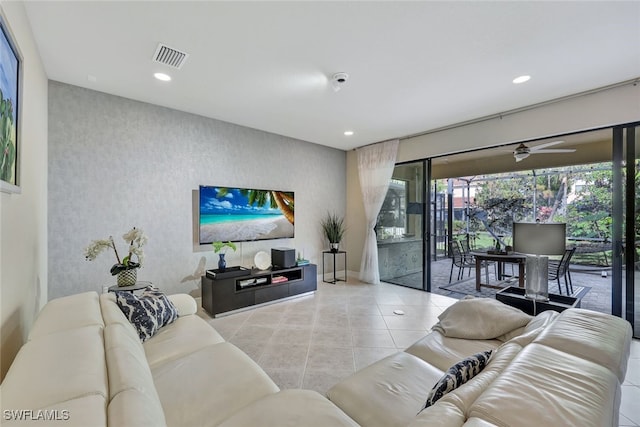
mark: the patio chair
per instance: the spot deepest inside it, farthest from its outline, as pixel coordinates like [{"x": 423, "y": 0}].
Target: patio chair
[
  {"x": 459, "y": 260},
  {"x": 558, "y": 269},
  {"x": 466, "y": 252}
]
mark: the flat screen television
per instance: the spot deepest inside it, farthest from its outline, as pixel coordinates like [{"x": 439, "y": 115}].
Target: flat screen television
[{"x": 244, "y": 214}]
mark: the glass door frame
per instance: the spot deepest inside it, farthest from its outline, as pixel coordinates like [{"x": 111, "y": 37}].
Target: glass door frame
[
  {"x": 427, "y": 225},
  {"x": 623, "y": 216}
]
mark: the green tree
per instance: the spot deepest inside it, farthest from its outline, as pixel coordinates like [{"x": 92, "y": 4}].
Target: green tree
[
  {"x": 500, "y": 201},
  {"x": 589, "y": 214}
]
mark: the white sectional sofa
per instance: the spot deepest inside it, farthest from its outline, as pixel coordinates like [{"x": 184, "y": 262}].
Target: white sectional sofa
[
  {"x": 558, "y": 369},
  {"x": 84, "y": 365}
]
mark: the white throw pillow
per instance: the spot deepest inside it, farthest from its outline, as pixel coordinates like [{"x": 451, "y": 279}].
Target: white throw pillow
[{"x": 480, "y": 319}]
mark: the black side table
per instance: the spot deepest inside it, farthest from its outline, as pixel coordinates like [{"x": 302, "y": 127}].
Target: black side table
[
  {"x": 514, "y": 296},
  {"x": 335, "y": 279}
]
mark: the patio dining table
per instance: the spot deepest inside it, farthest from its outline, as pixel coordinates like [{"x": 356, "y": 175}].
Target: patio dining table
[{"x": 501, "y": 259}]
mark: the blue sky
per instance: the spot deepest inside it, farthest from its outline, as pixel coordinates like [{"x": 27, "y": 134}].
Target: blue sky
[{"x": 231, "y": 203}]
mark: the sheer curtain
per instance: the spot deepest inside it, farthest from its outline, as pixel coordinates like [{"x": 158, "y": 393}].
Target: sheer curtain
[{"x": 375, "y": 167}]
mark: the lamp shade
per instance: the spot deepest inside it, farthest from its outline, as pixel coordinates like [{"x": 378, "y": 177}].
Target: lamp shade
[{"x": 539, "y": 238}]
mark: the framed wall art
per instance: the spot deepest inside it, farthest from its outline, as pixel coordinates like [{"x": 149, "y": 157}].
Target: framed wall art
[{"x": 10, "y": 76}]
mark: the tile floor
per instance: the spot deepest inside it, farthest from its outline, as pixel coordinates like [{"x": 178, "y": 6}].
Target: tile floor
[{"x": 315, "y": 341}]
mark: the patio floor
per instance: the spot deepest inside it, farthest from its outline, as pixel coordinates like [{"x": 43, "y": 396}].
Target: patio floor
[{"x": 598, "y": 298}]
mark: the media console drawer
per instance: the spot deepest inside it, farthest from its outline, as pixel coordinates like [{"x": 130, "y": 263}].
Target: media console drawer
[{"x": 271, "y": 293}]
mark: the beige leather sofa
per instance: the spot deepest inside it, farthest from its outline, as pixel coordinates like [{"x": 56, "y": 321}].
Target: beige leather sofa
[
  {"x": 84, "y": 365},
  {"x": 560, "y": 369}
]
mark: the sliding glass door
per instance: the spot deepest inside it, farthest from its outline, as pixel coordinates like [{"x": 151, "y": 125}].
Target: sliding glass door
[
  {"x": 626, "y": 225},
  {"x": 593, "y": 187},
  {"x": 399, "y": 228}
]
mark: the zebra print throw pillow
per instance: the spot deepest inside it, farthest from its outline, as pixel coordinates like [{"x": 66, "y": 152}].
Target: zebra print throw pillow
[
  {"x": 457, "y": 375},
  {"x": 148, "y": 312}
]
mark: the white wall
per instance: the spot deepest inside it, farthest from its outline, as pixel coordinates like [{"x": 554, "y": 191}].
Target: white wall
[
  {"x": 115, "y": 163},
  {"x": 23, "y": 217},
  {"x": 606, "y": 108}
]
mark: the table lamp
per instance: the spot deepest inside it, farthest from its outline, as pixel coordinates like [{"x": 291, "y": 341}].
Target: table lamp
[{"x": 535, "y": 240}]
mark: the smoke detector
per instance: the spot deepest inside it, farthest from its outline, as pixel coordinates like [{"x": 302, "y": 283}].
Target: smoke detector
[{"x": 338, "y": 80}]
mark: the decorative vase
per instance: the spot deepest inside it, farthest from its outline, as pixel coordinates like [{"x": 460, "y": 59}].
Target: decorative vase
[
  {"x": 222, "y": 263},
  {"x": 128, "y": 277},
  {"x": 334, "y": 246}
]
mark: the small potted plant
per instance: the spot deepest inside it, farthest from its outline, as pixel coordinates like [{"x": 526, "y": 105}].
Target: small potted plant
[
  {"x": 126, "y": 269},
  {"x": 221, "y": 249},
  {"x": 334, "y": 229}
]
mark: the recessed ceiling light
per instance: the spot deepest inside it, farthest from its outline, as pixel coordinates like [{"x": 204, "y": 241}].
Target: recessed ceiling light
[
  {"x": 162, "y": 77},
  {"x": 521, "y": 79},
  {"x": 348, "y": 132}
]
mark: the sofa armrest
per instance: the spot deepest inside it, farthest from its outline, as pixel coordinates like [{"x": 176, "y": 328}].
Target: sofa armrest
[{"x": 185, "y": 304}]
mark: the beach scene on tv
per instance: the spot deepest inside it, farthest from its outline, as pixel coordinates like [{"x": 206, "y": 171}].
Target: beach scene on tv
[{"x": 240, "y": 214}]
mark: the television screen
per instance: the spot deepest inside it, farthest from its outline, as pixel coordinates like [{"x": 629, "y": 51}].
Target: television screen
[{"x": 244, "y": 214}]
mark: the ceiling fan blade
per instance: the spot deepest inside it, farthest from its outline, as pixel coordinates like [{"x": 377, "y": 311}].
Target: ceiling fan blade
[
  {"x": 545, "y": 145},
  {"x": 554, "y": 150}
]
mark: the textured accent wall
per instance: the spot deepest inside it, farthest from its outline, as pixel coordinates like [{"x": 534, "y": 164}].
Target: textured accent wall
[{"x": 115, "y": 163}]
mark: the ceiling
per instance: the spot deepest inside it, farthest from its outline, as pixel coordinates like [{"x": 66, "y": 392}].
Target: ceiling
[
  {"x": 413, "y": 66},
  {"x": 591, "y": 147}
]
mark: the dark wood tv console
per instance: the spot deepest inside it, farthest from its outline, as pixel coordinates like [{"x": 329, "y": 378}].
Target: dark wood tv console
[{"x": 222, "y": 293}]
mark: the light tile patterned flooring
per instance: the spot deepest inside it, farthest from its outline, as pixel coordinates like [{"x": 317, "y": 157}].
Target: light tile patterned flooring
[{"x": 315, "y": 341}]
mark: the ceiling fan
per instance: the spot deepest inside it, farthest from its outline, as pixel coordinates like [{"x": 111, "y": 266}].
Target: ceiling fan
[{"x": 522, "y": 152}]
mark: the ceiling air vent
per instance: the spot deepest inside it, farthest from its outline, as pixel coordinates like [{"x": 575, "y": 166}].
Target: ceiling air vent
[{"x": 169, "y": 56}]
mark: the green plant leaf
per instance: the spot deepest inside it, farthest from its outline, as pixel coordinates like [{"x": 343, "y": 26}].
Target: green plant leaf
[{"x": 218, "y": 246}]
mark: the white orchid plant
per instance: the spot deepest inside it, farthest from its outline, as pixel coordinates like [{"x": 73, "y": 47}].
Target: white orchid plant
[{"x": 136, "y": 239}]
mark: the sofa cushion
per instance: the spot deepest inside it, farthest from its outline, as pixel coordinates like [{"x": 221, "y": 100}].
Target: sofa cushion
[
  {"x": 133, "y": 396},
  {"x": 388, "y": 393},
  {"x": 220, "y": 375},
  {"x": 457, "y": 375},
  {"x": 111, "y": 313},
  {"x": 551, "y": 388},
  {"x": 541, "y": 320},
  {"x": 464, "y": 396},
  {"x": 135, "y": 408},
  {"x": 184, "y": 336},
  {"x": 83, "y": 411},
  {"x": 55, "y": 368},
  {"x": 291, "y": 408},
  {"x": 442, "y": 352},
  {"x": 440, "y": 415},
  {"x": 593, "y": 336},
  {"x": 148, "y": 312},
  {"x": 73, "y": 311},
  {"x": 185, "y": 304}
]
